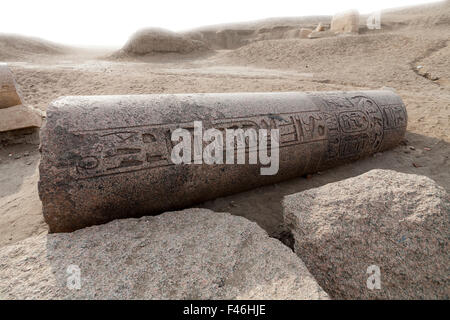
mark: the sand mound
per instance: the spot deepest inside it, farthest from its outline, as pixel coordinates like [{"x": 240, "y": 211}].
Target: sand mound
[
  {"x": 390, "y": 56},
  {"x": 14, "y": 47},
  {"x": 436, "y": 66},
  {"x": 424, "y": 16},
  {"x": 223, "y": 38},
  {"x": 155, "y": 40},
  {"x": 289, "y": 52},
  {"x": 235, "y": 35}
]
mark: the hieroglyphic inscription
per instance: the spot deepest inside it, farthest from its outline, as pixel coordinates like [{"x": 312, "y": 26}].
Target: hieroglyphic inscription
[
  {"x": 353, "y": 121},
  {"x": 104, "y": 158},
  {"x": 302, "y": 127},
  {"x": 394, "y": 116},
  {"x": 334, "y": 137},
  {"x": 119, "y": 150},
  {"x": 146, "y": 147},
  {"x": 351, "y": 126},
  {"x": 355, "y": 126},
  {"x": 353, "y": 145}
]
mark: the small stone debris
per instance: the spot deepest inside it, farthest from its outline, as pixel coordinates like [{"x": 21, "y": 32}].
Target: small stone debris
[{"x": 320, "y": 27}]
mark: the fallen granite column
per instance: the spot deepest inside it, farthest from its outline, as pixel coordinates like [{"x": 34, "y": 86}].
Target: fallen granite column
[{"x": 108, "y": 157}]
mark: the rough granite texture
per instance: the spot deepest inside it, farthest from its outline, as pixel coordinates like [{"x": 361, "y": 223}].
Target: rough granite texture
[
  {"x": 190, "y": 254},
  {"x": 109, "y": 157},
  {"x": 399, "y": 222}
]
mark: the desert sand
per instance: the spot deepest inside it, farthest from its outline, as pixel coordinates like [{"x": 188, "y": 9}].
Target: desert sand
[{"x": 410, "y": 54}]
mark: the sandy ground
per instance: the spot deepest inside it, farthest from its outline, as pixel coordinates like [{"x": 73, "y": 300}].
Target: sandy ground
[{"x": 410, "y": 50}]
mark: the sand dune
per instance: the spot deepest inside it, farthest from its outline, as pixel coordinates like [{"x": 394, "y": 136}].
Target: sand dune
[
  {"x": 390, "y": 56},
  {"x": 153, "y": 41},
  {"x": 15, "y": 47}
]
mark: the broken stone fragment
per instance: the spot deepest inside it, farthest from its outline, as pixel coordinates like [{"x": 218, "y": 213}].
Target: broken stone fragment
[
  {"x": 9, "y": 95},
  {"x": 320, "y": 27},
  {"x": 190, "y": 254},
  {"x": 345, "y": 22},
  {"x": 20, "y": 117},
  {"x": 380, "y": 235}
]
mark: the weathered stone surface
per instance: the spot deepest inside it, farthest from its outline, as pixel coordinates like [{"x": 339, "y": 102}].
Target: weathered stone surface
[
  {"x": 190, "y": 254},
  {"x": 344, "y": 22},
  {"x": 19, "y": 117},
  {"x": 13, "y": 114},
  {"x": 398, "y": 222},
  {"x": 108, "y": 157},
  {"x": 9, "y": 96},
  {"x": 320, "y": 27}
]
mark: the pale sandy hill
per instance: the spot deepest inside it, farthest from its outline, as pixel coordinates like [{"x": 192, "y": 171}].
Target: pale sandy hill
[
  {"x": 235, "y": 35},
  {"x": 15, "y": 47},
  {"x": 157, "y": 41},
  {"x": 344, "y": 58},
  {"x": 436, "y": 66},
  {"x": 388, "y": 57},
  {"x": 267, "y": 23},
  {"x": 425, "y": 16}
]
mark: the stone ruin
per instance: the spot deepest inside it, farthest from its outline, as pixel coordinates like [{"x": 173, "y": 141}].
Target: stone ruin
[
  {"x": 109, "y": 157},
  {"x": 346, "y": 22},
  {"x": 18, "y": 122}
]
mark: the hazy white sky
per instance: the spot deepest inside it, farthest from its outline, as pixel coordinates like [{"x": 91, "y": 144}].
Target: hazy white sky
[{"x": 111, "y": 22}]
